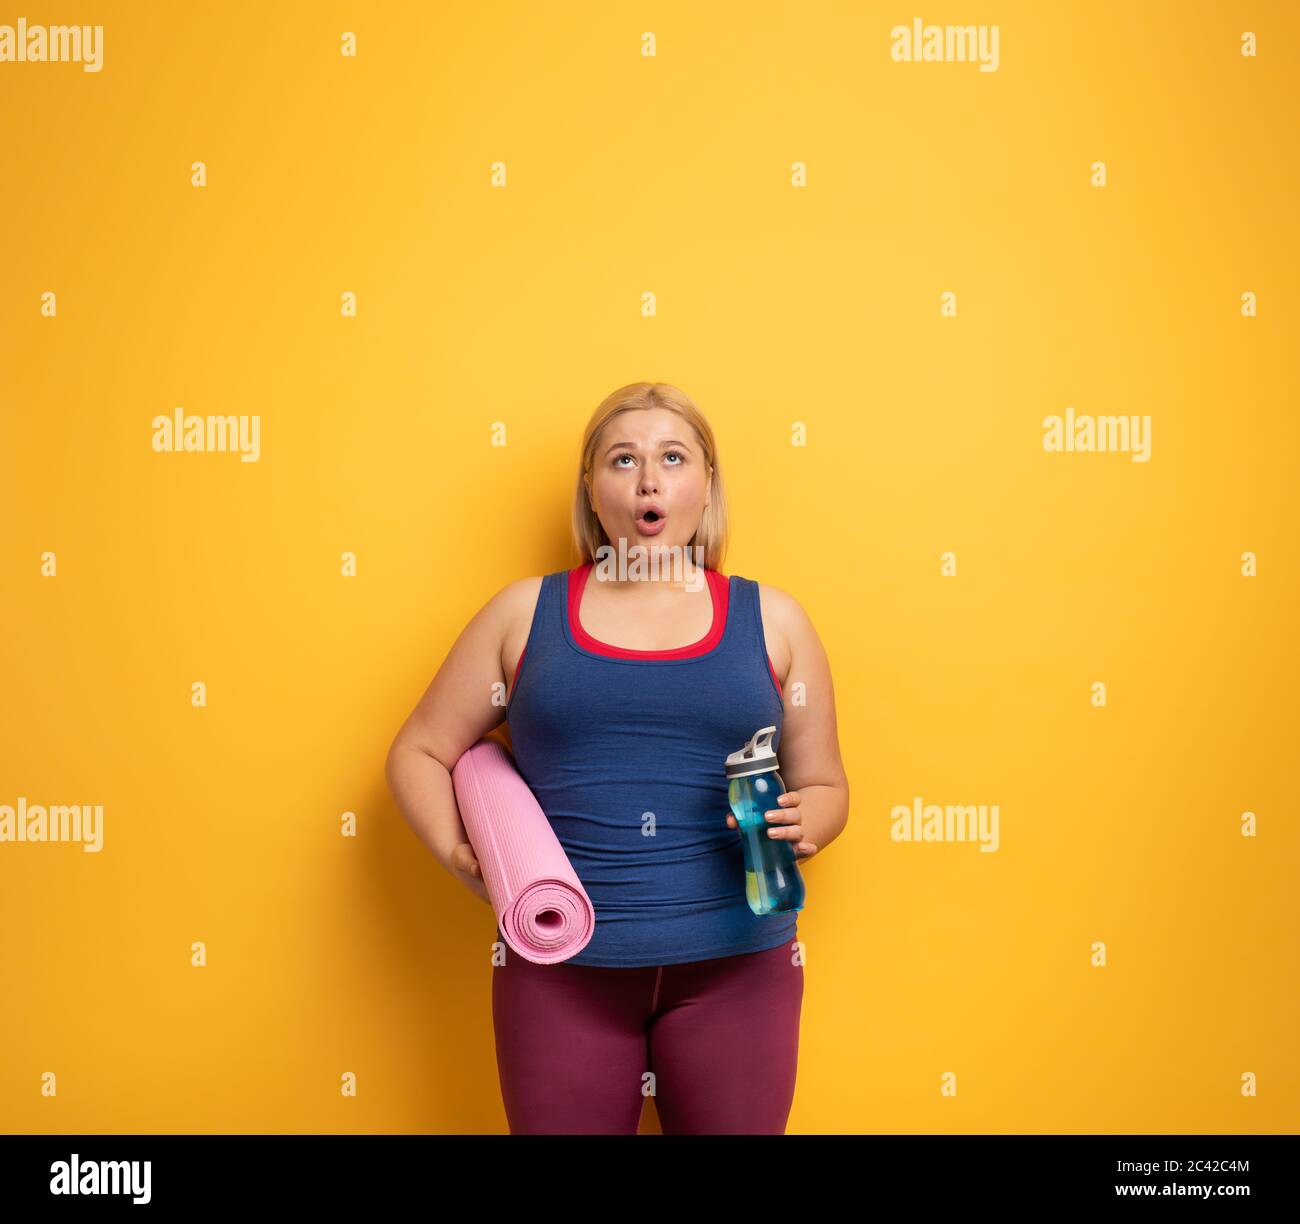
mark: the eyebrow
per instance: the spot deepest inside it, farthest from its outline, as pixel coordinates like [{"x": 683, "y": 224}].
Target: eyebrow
[{"x": 665, "y": 442}]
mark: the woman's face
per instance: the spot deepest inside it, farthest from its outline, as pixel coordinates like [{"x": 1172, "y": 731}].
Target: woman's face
[{"x": 649, "y": 457}]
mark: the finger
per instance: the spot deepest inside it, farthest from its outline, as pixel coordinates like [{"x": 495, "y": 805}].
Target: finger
[
  {"x": 779, "y": 817},
  {"x": 788, "y": 833},
  {"x": 789, "y": 798},
  {"x": 805, "y": 849}
]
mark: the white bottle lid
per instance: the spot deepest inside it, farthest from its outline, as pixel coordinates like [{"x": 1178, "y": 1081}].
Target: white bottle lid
[{"x": 755, "y": 757}]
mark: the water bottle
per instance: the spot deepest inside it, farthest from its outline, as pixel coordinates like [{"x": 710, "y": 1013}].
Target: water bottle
[{"x": 773, "y": 884}]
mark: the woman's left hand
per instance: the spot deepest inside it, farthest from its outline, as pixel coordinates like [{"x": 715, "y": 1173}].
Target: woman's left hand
[{"x": 785, "y": 824}]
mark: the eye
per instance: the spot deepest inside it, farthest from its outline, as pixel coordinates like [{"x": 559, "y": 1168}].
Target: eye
[
  {"x": 679, "y": 456},
  {"x": 624, "y": 455}
]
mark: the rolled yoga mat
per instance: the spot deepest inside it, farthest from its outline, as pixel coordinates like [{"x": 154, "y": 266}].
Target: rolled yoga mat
[{"x": 542, "y": 908}]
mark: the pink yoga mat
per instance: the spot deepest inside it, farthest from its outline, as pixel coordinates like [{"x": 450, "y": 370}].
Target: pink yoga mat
[{"x": 544, "y": 912}]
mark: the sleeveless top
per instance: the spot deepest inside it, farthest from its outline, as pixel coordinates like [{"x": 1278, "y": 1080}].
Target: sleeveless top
[{"x": 625, "y": 751}]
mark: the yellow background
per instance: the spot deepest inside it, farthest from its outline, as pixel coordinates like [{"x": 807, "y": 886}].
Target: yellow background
[{"x": 776, "y": 304}]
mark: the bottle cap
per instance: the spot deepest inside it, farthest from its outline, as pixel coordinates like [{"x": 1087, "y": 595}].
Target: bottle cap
[{"x": 755, "y": 757}]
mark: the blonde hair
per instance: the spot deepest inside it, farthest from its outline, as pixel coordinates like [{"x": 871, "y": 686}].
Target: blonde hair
[{"x": 711, "y": 534}]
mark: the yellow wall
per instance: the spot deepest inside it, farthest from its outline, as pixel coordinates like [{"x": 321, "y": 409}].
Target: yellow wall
[{"x": 775, "y": 304}]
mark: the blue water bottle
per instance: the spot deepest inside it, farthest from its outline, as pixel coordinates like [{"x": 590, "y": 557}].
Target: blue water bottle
[{"x": 773, "y": 884}]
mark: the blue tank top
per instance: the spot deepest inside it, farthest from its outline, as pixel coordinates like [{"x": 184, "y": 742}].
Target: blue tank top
[{"x": 606, "y": 736}]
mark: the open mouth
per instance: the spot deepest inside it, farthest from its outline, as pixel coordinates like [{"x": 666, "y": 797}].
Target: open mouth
[{"x": 650, "y": 521}]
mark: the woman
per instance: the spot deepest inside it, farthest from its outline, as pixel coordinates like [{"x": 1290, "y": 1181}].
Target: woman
[{"x": 625, "y": 695}]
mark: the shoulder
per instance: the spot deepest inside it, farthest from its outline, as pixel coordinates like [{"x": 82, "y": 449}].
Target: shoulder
[
  {"x": 510, "y": 604},
  {"x": 518, "y": 596},
  {"x": 785, "y": 609},
  {"x": 511, "y": 612},
  {"x": 784, "y": 613}
]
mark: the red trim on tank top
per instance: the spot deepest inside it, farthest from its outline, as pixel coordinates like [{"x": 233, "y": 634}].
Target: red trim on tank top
[
  {"x": 515, "y": 681},
  {"x": 719, "y": 590},
  {"x": 602, "y": 648}
]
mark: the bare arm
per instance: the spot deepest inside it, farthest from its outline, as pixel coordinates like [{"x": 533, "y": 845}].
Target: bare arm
[
  {"x": 810, "y": 747},
  {"x": 456, "y": 711}
]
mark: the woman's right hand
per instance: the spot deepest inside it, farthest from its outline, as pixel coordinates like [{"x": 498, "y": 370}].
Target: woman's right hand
[{"x": 465, "y": 868}]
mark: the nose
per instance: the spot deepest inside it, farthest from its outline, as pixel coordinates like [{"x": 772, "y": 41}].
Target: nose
[{"x": 648, "y": 484}]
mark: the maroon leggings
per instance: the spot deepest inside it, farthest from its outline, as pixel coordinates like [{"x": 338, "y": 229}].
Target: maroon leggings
[{"x": 720, "y": 1037}]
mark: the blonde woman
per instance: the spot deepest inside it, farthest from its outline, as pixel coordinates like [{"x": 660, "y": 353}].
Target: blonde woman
[{"x": 625, "y": 695}]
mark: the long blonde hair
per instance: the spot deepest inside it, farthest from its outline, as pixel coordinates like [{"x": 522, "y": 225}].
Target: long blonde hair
[{"x": 711, "y": 535}]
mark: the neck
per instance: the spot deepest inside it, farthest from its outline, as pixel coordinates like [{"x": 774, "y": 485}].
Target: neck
[{"x": 661, "y": 567}]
